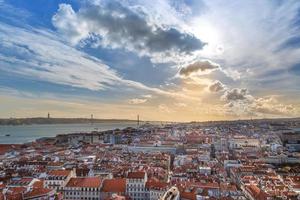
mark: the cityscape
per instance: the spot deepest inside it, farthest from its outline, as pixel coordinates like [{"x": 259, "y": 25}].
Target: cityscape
[
  {"x": 149, "y": 100},
  {"x": 246, "y": 159}
]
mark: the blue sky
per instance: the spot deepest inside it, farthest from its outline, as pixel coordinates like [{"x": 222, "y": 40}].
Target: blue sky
[{"x": 166, "y": 60}]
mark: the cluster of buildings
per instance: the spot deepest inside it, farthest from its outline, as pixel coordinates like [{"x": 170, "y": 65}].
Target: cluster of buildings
[{"x": 257, "y": 160}]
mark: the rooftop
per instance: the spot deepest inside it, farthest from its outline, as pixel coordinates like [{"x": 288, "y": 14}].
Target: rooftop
[
  {"x": 59, "y": 172},
  {"x": 87, "y": 182},
  {"x": 136, "y": 175},
  {"x": 117, "y": 185}
]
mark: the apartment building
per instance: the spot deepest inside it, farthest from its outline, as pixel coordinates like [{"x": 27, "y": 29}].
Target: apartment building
[
  {"x": 135, "y": 185},
  {"x": 84, "y": 188},
  {"x": 57, "y": 179}
]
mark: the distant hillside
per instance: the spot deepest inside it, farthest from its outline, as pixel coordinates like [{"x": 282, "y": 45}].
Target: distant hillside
[{"x": 42, "y": 120}]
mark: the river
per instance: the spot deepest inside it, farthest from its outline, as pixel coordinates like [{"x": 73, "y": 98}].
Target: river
[{"x": 27, "y": 133}]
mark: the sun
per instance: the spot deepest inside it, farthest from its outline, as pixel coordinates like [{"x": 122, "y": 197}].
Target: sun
[{"x": 208, "y": 33}]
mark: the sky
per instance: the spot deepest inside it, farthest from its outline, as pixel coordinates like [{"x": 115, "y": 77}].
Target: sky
[{"x": 168, "y": 60}]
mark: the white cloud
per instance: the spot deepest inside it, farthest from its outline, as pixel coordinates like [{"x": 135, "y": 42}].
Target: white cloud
[
  {"x": 180, "y": 104},
  {"x": 148, "y": 96},
  {"x": 232, "y": 73},
  {"x": 241, "y": 103},
  {"x": 67, "y": 23},
  {"x": 245, "y": 37},
  {"x": 112, "y": 24},
  {"x": 252, "y": 34},
  {"x": 137, "y": 101},
  {"x": 43, "y": 55},
  {"x": 165, "y": 109},
  {"x": 270, "y": 105}
]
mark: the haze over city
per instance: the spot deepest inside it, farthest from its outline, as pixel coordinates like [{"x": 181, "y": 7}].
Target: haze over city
[{"x": 165, "y": 60}]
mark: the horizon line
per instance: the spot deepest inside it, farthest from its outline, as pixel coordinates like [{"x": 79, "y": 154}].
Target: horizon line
[{"x": 191, "y": 121}]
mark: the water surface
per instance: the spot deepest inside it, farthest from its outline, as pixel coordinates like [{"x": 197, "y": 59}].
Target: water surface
[{"x": 27, "y": 133}]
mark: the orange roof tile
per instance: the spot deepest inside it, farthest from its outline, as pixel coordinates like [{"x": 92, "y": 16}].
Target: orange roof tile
[
  {"x": 35, "y": 192},
  {"x": 8, "y": 147},
  {"x": 38, "y": 184},
  {"x": 256, "y": 192},
  {"x": 2, "y": 186},
  {"x": 15, "y": 193},
  {"x": 136, "y": 175},
  {"x": 55, "y": 164},
  {"x": 114, "y": 185},
  {"x": 59, "y": 172},
  {"x": 187, "y": 195},
  {"x": 88, "y": 182},
  {"x": 154, "y": 184}
]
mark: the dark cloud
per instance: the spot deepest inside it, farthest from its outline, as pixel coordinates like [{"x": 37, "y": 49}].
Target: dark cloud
[
  {"x": 216, "y": 86},
  {"x": 118, "y": 26},
  {"x": 236, "y": 94},
  {"x": 198, "y": 66}
]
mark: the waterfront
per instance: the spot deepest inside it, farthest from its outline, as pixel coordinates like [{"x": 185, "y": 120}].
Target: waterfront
[
  {"x": 27, "y": 133},
  {"x": 155, "y": 157}
]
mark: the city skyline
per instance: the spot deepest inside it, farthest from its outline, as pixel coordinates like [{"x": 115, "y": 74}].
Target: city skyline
[{"x": 166, "y": 60}]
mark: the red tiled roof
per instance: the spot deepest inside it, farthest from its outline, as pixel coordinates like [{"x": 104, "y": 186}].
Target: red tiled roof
[
  {"x": 114, "y": 185},
  {"x": 88, "y": 182},
  {"x": 136, "y": 175},
  {"x": 2, "y": 186},
  {"x": 54, "y": 164},
  {"x": 15, "y": 193},
  {"x": 59, "y": 172},
  {"x": 38, "y": 184},
  {"x": 256, "y": 192},
  {"x": 8, "y": 147},
  {"x": 17, "y": 189},
  {"x": 296, "y": 186},
  {"x": 154, "y": 184},
  {"x": 187, "y": 195},
  {"x": 35, "y": 192},
  {"x": 213, "y": 185},
  {"x": 228, "y": 187}
]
